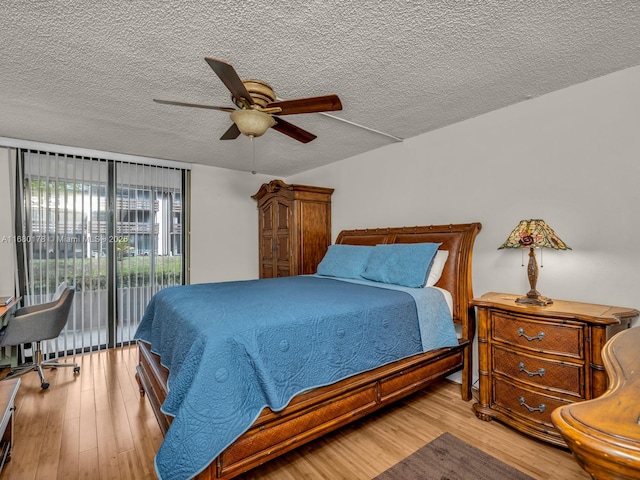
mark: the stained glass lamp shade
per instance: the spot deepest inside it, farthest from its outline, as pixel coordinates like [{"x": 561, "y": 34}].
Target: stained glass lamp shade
[{"x": 534, "y": 234}]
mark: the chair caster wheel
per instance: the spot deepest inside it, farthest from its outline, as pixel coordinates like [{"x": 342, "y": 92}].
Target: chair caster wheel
[
  {"x": 76, "y": 369},
  {"x": 44, "y": 385}
]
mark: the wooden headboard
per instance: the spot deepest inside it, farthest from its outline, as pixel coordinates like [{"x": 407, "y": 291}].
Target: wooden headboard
[{"x": 457, "y": 239}]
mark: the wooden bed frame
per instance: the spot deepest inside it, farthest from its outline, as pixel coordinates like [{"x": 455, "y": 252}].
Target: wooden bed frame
[{"x": 321, "y": 410}]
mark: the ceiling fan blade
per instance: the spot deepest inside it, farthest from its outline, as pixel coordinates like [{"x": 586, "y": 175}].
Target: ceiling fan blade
[
  {"x": 230, "y": 78},
  {"x": 325, "y": 103},
  {"x": 196, "y": 105},
  {"x": 232, "y": 133},
  {"x": 293, "y": 131}
]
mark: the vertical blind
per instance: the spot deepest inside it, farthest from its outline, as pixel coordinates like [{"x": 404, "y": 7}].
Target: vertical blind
[{"x": 111, "y": 229}]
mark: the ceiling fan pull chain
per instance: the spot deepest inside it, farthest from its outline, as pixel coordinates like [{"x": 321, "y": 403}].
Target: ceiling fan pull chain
[{"x": 253, "y": 147}]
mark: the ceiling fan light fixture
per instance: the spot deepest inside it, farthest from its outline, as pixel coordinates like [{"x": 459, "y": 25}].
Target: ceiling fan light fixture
[
  {"x": 252, "y": 123},
  {"x": 257, "y": 102}
]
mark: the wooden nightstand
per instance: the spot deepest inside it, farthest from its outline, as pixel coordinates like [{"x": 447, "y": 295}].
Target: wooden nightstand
[{"x": 535, "y": 359}]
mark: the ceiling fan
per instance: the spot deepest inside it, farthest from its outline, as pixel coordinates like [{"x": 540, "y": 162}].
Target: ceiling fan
[{"x": 258, "y": 109}]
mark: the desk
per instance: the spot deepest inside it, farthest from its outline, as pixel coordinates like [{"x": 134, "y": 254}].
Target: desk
[
  {"x": 8, "y": 360},
  {"x": 8, "y": 390},
  {"x": 5, "y": 310},
  {"x": 604, "y": 433}
]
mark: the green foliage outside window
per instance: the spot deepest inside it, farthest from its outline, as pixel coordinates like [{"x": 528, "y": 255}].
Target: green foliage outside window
[{"x": 91, "y": 274}]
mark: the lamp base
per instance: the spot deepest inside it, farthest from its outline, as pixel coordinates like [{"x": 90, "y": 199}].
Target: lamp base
[{"x": 534, "y": 299}]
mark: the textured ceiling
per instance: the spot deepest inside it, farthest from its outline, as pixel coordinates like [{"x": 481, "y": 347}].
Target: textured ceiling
[{"x": 83, "y": 73}]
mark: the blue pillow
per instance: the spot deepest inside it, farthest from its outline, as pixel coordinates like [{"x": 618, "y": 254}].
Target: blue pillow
[
  {"x": 406, "y": 264},
  {"x": 345, "y": 261}
]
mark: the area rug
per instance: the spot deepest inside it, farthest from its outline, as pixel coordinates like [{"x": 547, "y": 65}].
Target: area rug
[{"x": 449, "y": 458}]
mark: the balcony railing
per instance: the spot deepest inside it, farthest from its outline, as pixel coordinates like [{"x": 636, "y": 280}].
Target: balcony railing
[
  {"x": 124, "y": 228},
  {"x": 136, "y": 204},
  {"x": 60, "y": 228}
]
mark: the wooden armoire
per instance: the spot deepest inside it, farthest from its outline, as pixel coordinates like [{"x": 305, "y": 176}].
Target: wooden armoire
[{"x": 294, "y": 228}]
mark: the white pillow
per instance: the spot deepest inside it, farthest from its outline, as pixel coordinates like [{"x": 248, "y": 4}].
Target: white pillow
[{"x": 436, "y": 267}]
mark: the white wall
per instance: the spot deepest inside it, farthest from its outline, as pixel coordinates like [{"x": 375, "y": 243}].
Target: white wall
[
  {"x": 571, "y": 157},
  {"x": 224, "y": 224},
  {"x": 6, "y": 230}
]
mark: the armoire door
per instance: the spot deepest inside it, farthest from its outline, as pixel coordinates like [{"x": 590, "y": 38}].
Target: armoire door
[{"x": 275, "y": 237}]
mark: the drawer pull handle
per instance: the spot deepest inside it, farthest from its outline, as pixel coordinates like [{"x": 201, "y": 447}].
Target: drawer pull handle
[
  {"x": 540, "y": 335},
  {"x": 540, "y": 372},
  {"x": 540, "y": 409}
]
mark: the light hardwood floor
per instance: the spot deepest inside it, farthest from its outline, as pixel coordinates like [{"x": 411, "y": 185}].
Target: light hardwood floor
[{"x": 96, "y": 426}]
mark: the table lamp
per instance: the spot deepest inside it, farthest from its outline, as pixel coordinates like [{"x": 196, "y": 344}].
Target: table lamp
[{"x": 531, "y": 234}]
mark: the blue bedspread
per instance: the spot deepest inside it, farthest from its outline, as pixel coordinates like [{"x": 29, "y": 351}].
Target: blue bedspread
[{"x": 234, "y": 348}]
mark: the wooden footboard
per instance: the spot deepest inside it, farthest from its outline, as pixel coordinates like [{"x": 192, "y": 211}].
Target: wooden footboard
[{"x": 311, "y": 414}]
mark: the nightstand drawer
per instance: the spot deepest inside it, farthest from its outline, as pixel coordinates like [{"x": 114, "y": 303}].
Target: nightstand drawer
[
  {"x": 533, "y": 406},
  {"x": 539, "y": 372},
  {"x": 565, "y": 339}
]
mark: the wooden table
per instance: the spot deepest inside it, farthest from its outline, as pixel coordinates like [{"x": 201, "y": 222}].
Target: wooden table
[
  {"x": 604, "y": 433},
  {"x": 8, "y": 390}
]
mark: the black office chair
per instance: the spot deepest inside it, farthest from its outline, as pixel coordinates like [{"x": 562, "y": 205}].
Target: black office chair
[{"x": 33, "y": 325}]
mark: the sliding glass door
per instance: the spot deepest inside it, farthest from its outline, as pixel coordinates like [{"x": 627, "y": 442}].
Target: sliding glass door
[
  {"x": 148, "y": 242},
  {"x": 111, "y": 229}
]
